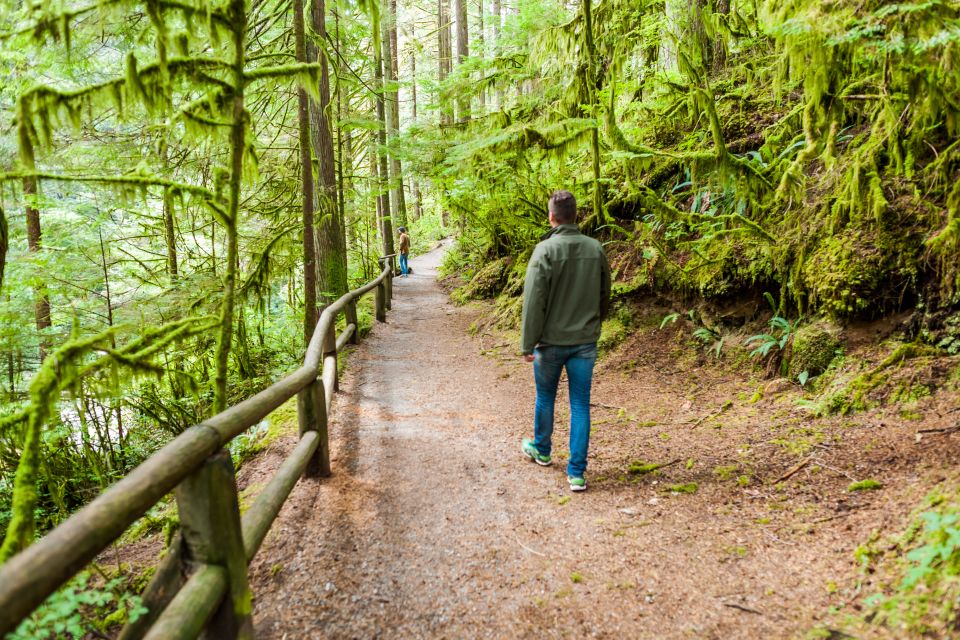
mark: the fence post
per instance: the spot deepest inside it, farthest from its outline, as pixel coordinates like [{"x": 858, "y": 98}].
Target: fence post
[
  {"x": 312, "y": 416},
  {"x": 330, "y": 355},
  {"x": 389, "y": 283},
  {"x": 381, "y": 295},
  {"x": 351, "y": 314},
  {"x": 210, "y": 525}
]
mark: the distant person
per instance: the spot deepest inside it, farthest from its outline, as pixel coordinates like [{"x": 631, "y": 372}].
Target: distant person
[
  {"x": 566, "y": 296},
  {"x": 404, "y": 251}
]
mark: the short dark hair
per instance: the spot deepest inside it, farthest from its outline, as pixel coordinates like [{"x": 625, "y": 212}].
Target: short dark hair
[{"x": 563, "y": 206}]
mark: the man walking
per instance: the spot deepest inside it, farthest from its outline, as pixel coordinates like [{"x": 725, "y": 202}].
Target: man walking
[
  {"x": 566, "y": 296},
  {"x": 404, "y": 251}
]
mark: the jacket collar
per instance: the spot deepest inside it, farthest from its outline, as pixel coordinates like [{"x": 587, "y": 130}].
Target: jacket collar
[{"x": 561, "y": 230}]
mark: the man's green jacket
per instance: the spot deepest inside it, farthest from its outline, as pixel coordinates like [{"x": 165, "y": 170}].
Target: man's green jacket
[{"x": 566, "y": 295}]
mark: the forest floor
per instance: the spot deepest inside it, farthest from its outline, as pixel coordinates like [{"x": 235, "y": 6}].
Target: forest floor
[{"x": 434, "y": 525}]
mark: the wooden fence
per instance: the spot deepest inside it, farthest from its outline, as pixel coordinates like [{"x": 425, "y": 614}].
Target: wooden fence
[{"x": 201, "y": 584}]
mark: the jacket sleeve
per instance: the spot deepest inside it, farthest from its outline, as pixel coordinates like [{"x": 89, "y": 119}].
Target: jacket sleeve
[
  {"x": 604, "y": 285},
  {"x": 536, "y": 289}
]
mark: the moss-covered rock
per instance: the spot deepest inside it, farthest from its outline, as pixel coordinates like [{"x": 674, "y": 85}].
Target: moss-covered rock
[
  {"x": 814, "y": 348},
  {"x": 488, "y": 281}
]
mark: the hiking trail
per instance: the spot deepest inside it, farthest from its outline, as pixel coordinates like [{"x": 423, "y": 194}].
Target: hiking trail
[{"x": 434, "y": 526}]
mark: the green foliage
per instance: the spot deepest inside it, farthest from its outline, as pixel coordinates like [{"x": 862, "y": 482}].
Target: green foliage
[
  {"x": 79, "y": 608},
  {"x": 781, "y": 330},
  {"x": 923, "y": 601}
]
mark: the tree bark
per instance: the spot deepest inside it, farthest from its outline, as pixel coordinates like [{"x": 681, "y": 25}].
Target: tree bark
[
  {"x": 482, "y": 97},
  {"x": 307, "y": 191},
  {"x": 414, "y": 187},
  {"x": 238, "y": 17},
  {"x": 331, "y": 258},
  {"x": 722, "y": 7},
  {"x": 41, "y": 301},
  {"x": 397, "y": 202},
  {"x": 444, "y": 56},
  {"x": 170, "y": 236},
  {"x": 383, "y": 181},
  {"x": 463, "y": 51},
  {"x": 497, "y": 24},
  {"x": 595, "y": 133}
]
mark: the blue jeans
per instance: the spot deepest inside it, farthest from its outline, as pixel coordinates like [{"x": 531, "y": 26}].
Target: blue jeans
[
  {"x": 403, "y": 263},
  {"x": 548, "y": 364}
]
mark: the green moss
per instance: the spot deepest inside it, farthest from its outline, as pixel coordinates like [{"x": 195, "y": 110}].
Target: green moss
[
  {"x": 854, "y": 397},
  {"x": 487, "y": 282},
  {"x": 865, "y": 485},
  {"x": 687, "y": 487},
  {"x": 813, "y": 349},
  {"x": 642, "y": 468}
]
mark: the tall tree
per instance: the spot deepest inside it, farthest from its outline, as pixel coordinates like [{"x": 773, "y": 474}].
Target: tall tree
[
  {"x": 463, "y": 52},
  {"x": 331, "y": 257},
  {"x": 306, "y": 178},
  {"x": 414, "y": 185},
  {"x": 41, "y": 300},
  {"x": 497, "y": 18},
  {"x": 592, "y": 92},
  {"x": 391, "y": 68},
  {"x": 481, "y": 38},
  {"x": 383, "y": 182},
  {"x": 444, "y": 56}
]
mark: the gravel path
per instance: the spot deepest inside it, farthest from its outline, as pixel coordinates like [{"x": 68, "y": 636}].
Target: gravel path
[{"x": 433, "y": 526}]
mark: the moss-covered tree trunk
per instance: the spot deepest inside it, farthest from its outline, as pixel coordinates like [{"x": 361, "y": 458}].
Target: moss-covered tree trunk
[
  {"x": 238, "y": 17},
  {"x": 595, "y": 132},
  {"x": 41, "y": 301},
  {"x": 331, "y": 257}
]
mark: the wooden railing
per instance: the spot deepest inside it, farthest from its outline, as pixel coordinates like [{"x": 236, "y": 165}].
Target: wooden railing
[{"x": 202, "y": 581}]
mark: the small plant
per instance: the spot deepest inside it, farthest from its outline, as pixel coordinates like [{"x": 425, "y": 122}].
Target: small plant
[
  {"x": 781, "y": 330},
  {"x": 576, "y": 577},
  {"x": 670, "y": 318},
  {"x": 711, "y": 339},
  {"x": 687, "y": 487}
]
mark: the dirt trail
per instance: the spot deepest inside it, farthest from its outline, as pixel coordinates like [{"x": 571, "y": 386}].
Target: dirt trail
[{"x": 433, "y": 526}]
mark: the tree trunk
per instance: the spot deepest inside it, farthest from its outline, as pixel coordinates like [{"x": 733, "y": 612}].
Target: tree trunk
[
  {"x": 397, "y": 202},
  {"x": 722, "y": 7},
  {"x": 238, "y": 18},
  {"x": 480, "y": 50},
  {"x": 41, "y": 302},
  {"x": 331, "y": 259},
  {"x": 170, "y": 235},
  {"x": 698, "y": 32},
  {"x": 463, "y": 51},
  {"x": 386, "y": 223},
  {"x": 497, "y": 23},
  {"x": 595, "y": 133},
  {"x": 414, "y": 187},
  {"x": 444, "y": 56},
  {"x": 307, "y": 192}
]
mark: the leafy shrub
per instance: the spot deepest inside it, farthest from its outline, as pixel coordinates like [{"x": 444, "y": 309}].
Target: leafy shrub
[{"x": 79, "y": 608}]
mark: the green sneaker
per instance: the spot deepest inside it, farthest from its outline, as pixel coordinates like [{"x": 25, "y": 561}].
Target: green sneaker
[
  {"x": 577, "y": 484},
  {"x": 531, "y": 452}
]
